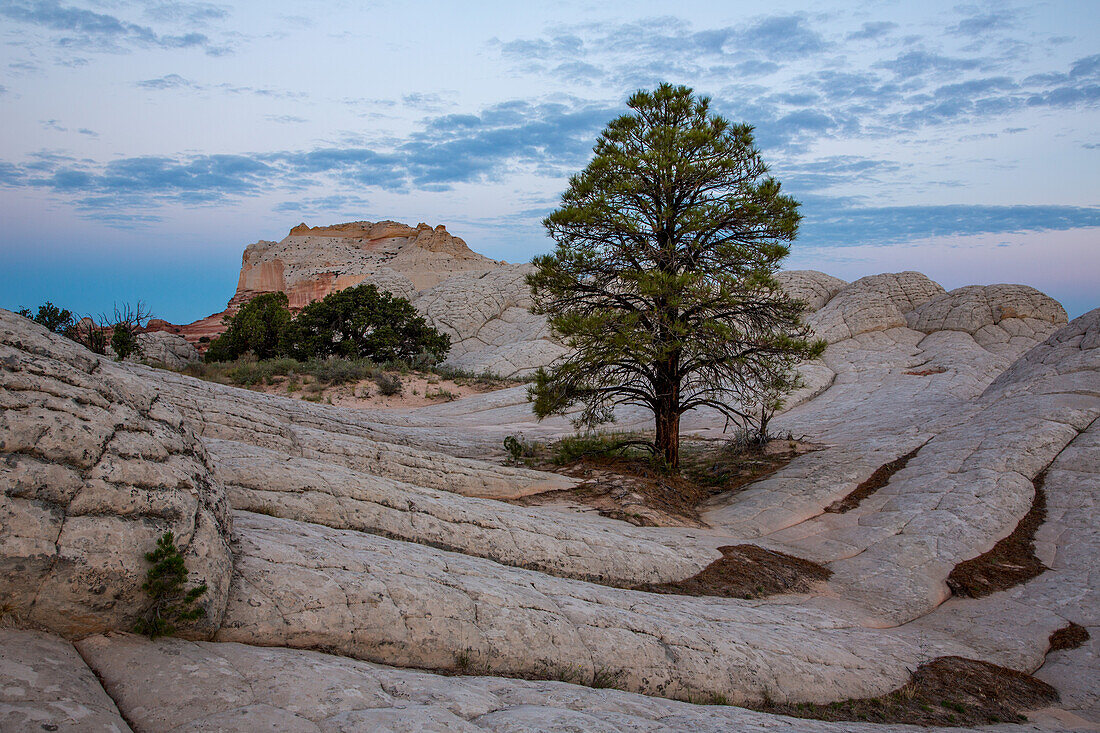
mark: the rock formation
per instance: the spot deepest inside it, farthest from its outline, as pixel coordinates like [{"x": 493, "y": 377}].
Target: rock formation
[
  {"x": 96, "y": 466},
  {"x": 362, "y": 539},
  {"x": 483, "y": 304},
  {"x": 312, "y": 262},
  {"x": 162, "y": 348}
]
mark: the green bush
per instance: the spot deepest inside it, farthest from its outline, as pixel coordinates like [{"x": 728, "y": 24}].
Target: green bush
[
  {"x": 518, "y": 448},
  {"x": 124, "y": 342},
  {"x": 594, "y": 445},
  {"x": 354, "y": 324},
  {"x": 260, "y": 327},
  {"x": 49, "y": 315},
  {"x": 164, "y": 584},
  {"x": 364, "y": 323},
  {"x": 388, "y": 385}
]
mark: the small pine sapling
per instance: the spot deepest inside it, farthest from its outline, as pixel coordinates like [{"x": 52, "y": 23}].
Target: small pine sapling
[{"x": 164, "y": 584}]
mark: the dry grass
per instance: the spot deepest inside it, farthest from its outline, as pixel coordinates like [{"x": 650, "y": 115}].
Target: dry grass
[
  {"x": 1009, "y": 562},
  {"x": 947, "y": 691},
  {"x": 1070, "y": 636},
  {"x": 622, "y": 481},
  {"x": 874, "y": 482},
  {"x": 747, "y": 571}
]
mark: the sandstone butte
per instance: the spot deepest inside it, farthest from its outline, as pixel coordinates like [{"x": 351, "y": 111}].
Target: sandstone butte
[
  {"x": 371, "y": 570},
  {"x": 312, "y": 262}
]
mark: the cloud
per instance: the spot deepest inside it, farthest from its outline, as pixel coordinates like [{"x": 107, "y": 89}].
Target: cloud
[
  {"x": 544, "y": 138},
  {"x": 829, "y": 224},
  {"x": 196, "y": 14},
  {"x": 285, "y": 119},
  {"x": 258, "y": 91},
  {"x": 429, "y": 101},
  {"x": 94, "y": 31},
  {"x": 756, "y": 67},
  {"x": 551, "y": 137},
  {"x": 1086, "y": 68},
  {"x": 3, "y": 89},
  {"x": 10, "y": 175},
  {"x": 638, "y": 53},
  {"x": 321, "y": 205},
  {"x": 886, "y": 92},
  {"x": 557, "y": 47},
  {"x": 147, "y": 181},
  {"x": 120, "y": 220},
  {"x": 809, "y": 178},
  {"x": 918, "y": 63},
  {"x": 783, "y": 36},
  {"x": 171, "y": 81},
  {"x": 982, "y": 24},
  {"x": 872, "y": 31},
  {"x": 175, "y": 81}
]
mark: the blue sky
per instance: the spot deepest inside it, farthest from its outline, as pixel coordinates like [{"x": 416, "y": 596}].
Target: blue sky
[{"x": 146, "y": 143}]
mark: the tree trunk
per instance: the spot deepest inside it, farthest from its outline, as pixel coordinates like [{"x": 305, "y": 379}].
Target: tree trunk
[
  {"x": 667, "y": 412},
  {"x": 668, "y": 434}
]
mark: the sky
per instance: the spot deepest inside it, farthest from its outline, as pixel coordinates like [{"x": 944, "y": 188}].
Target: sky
[{"x": 146, "y": 143}]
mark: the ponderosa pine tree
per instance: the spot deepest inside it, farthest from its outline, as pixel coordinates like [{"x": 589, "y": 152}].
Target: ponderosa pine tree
[{"x": 662, "y": 282}]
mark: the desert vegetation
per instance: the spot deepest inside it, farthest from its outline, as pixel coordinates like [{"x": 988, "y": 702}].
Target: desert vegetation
[
  {"x": 118, "y": 331},
  {"x": 359, "y": 323},
  {"x": 621, "y": 477},
  {"x": 662, "y": 283},
  {"x": 350, "y": 382},
  {"x": 171, "y": 602}
]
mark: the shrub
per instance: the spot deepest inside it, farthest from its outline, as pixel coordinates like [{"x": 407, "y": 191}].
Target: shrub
[
  {"x": 388, "y": 385},
  {"x": 124, "y": 342},
  {"x": 441, "y": 394},
  {"x": 164, "y": 584},
  {"x": 518, "y": 448},
  {"x": 363, "y": 323},
  {"x": 261, "y": 327},
  {"x": 49, "y": 315},
  {"x": 575, "y": 447},
  {"x": 87, "y": 332}
]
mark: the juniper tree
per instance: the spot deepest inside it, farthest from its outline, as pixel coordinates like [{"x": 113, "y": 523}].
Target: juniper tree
[
  {"x": 261, "y": 326},
  {"x": 49, "y": 315},
  {"x": 662, "y": 283},
  {"x": 364, "y": 322}
]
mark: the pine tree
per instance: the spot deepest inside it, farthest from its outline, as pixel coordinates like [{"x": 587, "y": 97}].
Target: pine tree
[
  {"x": 164, "y": 584},
  {"x": 662, "y": 282}
]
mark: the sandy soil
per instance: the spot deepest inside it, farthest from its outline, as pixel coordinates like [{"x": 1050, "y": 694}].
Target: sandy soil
[{"x": 418, "y": 389}]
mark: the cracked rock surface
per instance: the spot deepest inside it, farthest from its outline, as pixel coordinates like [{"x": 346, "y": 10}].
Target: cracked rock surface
[
  {"x": 95, "y": 467},
  {"x": 378, "y": 538}
]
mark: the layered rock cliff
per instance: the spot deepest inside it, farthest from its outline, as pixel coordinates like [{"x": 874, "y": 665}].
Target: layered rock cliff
[{"x": 312, "y": 262}]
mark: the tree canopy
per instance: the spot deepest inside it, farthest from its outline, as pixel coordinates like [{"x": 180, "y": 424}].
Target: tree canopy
[
  {"x": 662, "y": 281},
  {"x": 356, "y": 323},
  {"x": 49, "y": 315},
  {"x": 259, "y": 327},
  {"x": 365, "y": 323}
]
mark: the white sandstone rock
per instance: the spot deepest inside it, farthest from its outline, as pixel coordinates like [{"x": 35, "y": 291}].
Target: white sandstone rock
[{"x": 95, "y": 467}]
